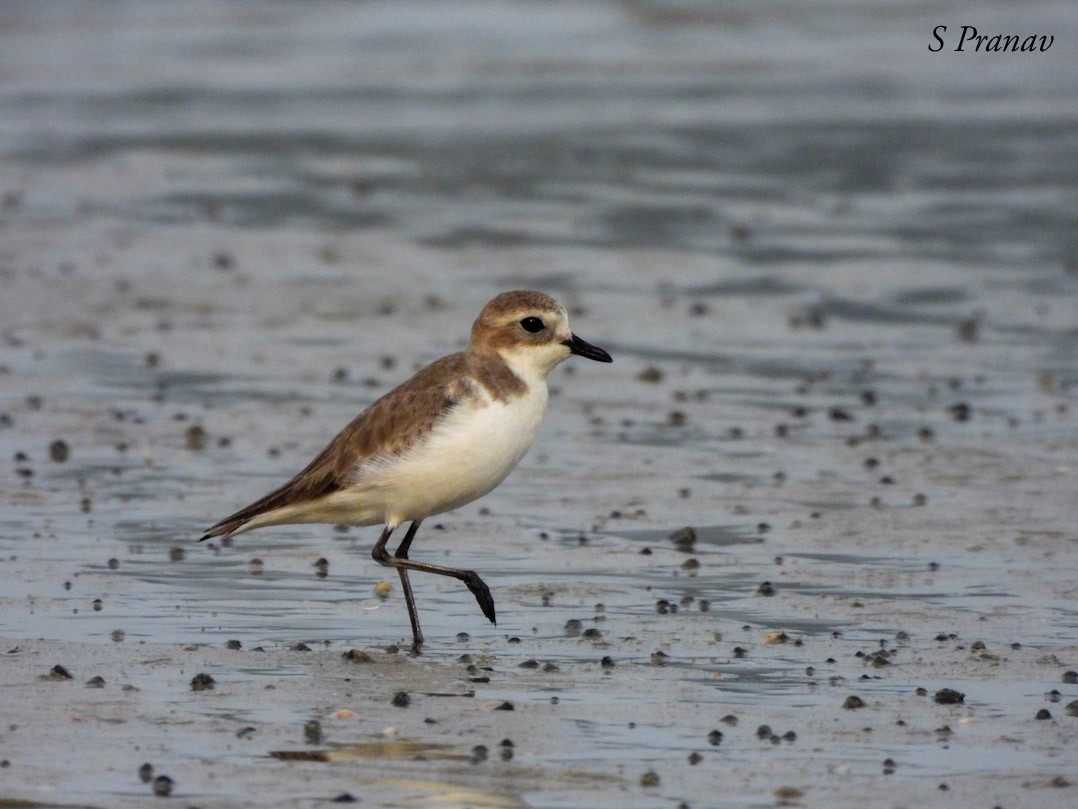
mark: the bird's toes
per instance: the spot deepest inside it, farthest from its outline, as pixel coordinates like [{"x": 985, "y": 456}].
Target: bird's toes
[{"x": 482, "y": 594}]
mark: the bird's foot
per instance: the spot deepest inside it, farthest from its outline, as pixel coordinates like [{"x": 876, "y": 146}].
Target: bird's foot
[{"x": 482, "y": 594}]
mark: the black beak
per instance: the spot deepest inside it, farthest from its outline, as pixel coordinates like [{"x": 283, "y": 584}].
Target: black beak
[{"x": 585, "y": 349}]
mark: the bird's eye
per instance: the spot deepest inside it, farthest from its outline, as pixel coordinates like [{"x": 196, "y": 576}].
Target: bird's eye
[{"x": 532, "y": 325}]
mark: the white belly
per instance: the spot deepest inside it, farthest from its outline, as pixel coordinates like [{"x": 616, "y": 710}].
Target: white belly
[{"x": 465, "y": 457}]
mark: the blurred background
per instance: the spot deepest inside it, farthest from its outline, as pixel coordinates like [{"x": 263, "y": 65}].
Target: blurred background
[{"x": 759, "y": 133}]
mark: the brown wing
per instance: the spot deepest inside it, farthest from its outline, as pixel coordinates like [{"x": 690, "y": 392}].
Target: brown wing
[{"x": 387, "y": 427}]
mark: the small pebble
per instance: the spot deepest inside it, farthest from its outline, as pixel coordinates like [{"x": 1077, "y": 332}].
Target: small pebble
[
  {"x": 196, "y": 438},
  {"x": 96, "y": 682},
  {"x": 59, "y": 451},
  {"x": 948, "y": 696},
  {"x": 401, "y": 699},
  {"x": 1044, "y": 713},
  {"x": 312, "y": 732},
  {"x": 58, "y": 672},
  {"x": 162, "y": 786},
  {"x": 714, "y": 738},
  {"x": 853, "y": 702},
  {"x": 649, "y": 779},
  {"x": 145, "y": 773},
  {"x": 202, "y": 682}
]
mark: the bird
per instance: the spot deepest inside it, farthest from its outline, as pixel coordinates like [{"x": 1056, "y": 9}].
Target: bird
[{"x": 445, "y": 437}]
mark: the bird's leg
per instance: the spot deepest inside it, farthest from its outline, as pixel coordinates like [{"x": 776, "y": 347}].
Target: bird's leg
[
  {"x": 470, "y": 578},
  {"x": 413, "y": 614},
  {"x": 382, "y": 557}
]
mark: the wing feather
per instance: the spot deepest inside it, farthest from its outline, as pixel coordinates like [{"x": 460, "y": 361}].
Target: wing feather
[{"x": 388, "y": 427}]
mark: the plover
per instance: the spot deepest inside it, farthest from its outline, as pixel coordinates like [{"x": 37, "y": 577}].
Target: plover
[{"x": 447, "y": 436}]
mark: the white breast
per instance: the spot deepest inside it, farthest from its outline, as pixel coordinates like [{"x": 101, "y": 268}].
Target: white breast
[{"x": 463, "y": 458}]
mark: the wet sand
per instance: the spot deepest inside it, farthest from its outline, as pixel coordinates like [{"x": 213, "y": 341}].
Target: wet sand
[{"x": 845, "y": 355}]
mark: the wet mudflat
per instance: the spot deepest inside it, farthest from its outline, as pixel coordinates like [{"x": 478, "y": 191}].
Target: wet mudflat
[{"x": 838, "y": 280}]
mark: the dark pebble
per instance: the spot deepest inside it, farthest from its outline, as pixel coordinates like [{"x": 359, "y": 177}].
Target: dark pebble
[
  {"x": 196, "y": 438},
  {"x": 592, "y": 634},
  {"x": 1072, "y": 708},
  {"x": 573, "y": 628},
  {"x": 695, "y": 758},
  {"x": 765, "y": 589},
  {"x": 312, "y": 732},
  {"x": 650, "y": 374},
  {"x": 202, "y": 682},
  {"x": 96, "y": 682},
  {"x": 683, "y": 538},
  {"x": 401, "y": 699},
  {"x": 730, "y": 720},
  {"x": 1044, "y": 713},
  {"x": 888, "y": 766},
  {"x": 959, "y": 411},
  {"x": 714, "y": 738},
  {"x": 948, "y": 696},
  {"x": 505, "y": 706},
  {"x": 233, "y": 644},
  {"x": 649, "y": 779},
  {"x": 1070, "y": 677},
  {"x": 113, "y": 564},
  {"x": 531, "y": 663},
  {"x": 853, "y": 702},
  {"x": 176, "y": 554},
  {"x": 162, "y": 786},
  {"x": 607, "y": 662},
  {"x": 58, "y": 672},
  {"x": 789, "y": 736},
  {"x": 739, "y": 652},
  {"x": 345, "y": 797},
  {"x": 145, "y": 773},
  {"x": 356, "y": 656},
  {"x": 764, "y": 732},
  {"x": 59, "y": 451},
  {"x": 301, "y": 647}
]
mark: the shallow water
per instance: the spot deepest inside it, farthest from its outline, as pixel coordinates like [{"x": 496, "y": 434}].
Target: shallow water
[{"x": 837, "y": 274}]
